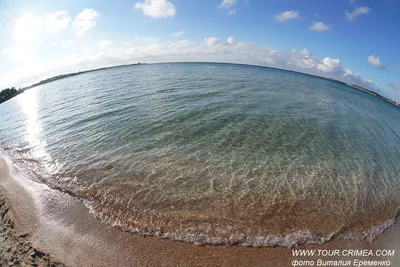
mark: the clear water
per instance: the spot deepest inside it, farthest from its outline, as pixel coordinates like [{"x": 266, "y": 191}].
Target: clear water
[{"x": 213, "y": 153}]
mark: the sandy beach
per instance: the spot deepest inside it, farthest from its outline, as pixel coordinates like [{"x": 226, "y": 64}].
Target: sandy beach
[{"x": 59, "y": 230}]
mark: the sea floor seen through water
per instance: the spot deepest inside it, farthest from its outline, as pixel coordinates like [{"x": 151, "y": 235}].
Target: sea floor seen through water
[{"x": 213, "y": 153}]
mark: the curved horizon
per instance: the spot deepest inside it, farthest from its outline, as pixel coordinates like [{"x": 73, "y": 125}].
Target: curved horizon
[
  {"x": 65, "y": 75},
  {"x": 350, "y": 41}
]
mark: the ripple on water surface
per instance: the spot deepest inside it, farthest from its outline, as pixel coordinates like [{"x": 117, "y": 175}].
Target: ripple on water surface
[{"x": 214, "y": 153}]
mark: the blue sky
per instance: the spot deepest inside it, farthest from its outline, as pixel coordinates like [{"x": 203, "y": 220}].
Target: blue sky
[{"x": 351, "y": 40}]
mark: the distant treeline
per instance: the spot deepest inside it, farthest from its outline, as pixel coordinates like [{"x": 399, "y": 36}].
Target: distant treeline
[
  {"x": 375, "y": 94},
  {"x": 367, "y": 91},
  {"x": 62, "y": 76},
  {"x": 55, "y": 78},
  {"x": 9, "y": 93}
]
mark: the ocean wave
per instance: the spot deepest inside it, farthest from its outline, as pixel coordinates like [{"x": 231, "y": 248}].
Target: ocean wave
[
  {"x": 137, "y": 209},
  {"x": 293, "y": 239}
]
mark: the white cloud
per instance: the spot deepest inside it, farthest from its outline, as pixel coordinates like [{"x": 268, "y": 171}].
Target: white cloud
[
  {"x": 27, "y": 29},
  {"x": 362, "y": 10},
  {"x": 157, "y": 8},
  {"x": 181, "y": 44},
  {"x": 7, "y": 50},
  {"x": 57, "y": 21},
  {"x": 319, "y": 27},
  {"x": 397, "y": 66},
  {"x": 104, "y": 44},
  {"x": 227, "y": 3},
  {"x": 287, "y": 15},
  {"x": 19, "y": 53},
  {"x": 231, "y": 40},
  {"x": 146, "y": 39},
  {"x": 231, "y": 12},
  {"x": 178, "y": 34},
  {"x": 212, "y": 41},
  {"x": 355, "y": 78},
  {"x": 305, "y": 52},
  {"x": 348, "y": 72},
  {"x": 84, "y": 21},
  {"x": 329, "y": 65},
  {"x": 375, "y": 61},
  {"x": 67, "y": 43},
  {"x": 300, "y": 60}
]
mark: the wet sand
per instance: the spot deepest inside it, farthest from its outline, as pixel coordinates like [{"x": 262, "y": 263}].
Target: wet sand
[
  {"x": 15, "y": 249},
  {"x": 61, "y": 226}
]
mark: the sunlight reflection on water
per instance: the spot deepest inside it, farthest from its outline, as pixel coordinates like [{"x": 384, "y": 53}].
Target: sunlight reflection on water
[{"x": 33, "y": 130}]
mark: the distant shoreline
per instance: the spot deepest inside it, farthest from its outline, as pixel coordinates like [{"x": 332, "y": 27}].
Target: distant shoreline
[{"x": 63, "y": 76}]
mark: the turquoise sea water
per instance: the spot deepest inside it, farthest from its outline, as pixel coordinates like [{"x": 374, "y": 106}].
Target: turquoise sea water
[{"x": 213, "y": 153}]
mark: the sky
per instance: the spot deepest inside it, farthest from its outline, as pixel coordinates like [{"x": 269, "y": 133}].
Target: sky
[{"x": 356, "y": 41}]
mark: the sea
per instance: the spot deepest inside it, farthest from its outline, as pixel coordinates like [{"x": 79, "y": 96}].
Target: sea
[{"x": 213, "y": 153}]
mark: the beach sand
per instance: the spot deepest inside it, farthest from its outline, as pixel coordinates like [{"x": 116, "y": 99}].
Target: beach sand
[{"x": 61, "y": 228}]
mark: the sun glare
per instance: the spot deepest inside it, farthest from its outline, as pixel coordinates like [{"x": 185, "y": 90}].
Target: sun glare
[
  {"x": 33, "y": 129},
  {"x": 26, "y": 29}
]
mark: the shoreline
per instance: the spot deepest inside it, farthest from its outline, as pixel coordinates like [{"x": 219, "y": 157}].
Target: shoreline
[
  {"x": 61, "y": 228},
  {"x": 15, "y": 249}
]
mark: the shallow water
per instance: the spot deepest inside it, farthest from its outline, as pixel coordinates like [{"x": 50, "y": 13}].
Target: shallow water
[{"x": 213, "y": 153}]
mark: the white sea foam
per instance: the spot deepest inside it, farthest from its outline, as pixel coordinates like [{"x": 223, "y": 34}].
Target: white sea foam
[{"x": 288, "y": 240}]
